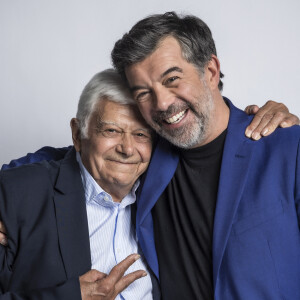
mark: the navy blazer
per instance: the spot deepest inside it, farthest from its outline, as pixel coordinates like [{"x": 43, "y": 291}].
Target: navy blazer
[
  {"x": 256, "y": 240},
  {"x": 43, "y": 207}
]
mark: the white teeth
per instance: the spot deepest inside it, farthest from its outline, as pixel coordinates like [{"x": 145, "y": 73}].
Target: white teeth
[{"x": 176, "y": 118}]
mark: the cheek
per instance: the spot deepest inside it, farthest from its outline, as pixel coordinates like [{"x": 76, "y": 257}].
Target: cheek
[{"x": 145, "y": 153}]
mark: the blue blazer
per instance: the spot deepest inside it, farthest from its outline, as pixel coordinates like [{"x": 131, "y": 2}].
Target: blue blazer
[
  {"x": 43, "y": 208},
  {"x": 256, "y": 240}
]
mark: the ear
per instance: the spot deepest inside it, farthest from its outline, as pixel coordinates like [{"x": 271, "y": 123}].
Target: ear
[
  {"x": 213, "y": 72},
  {"x": 74, "y": 123}
]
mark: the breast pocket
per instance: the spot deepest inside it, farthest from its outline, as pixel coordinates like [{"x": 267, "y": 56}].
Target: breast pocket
[{"x": 258, "y": 218}]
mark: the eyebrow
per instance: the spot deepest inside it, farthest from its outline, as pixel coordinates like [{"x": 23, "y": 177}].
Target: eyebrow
[
  {"x": 103, "y": 123},
  {"x": 136, "y": 87},
  {"x": 170, "y": 70}
]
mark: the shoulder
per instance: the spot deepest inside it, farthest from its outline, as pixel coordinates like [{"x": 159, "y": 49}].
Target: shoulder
[
  {"x": 45, "y": 153},
  {"x": 30, "y": 175}
]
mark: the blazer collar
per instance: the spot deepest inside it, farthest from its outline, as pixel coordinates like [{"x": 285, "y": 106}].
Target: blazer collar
[
  {"x": 71, "y": 217},
  {"x": 236, "y": 160},
  {"x": 161, "y": 170}
]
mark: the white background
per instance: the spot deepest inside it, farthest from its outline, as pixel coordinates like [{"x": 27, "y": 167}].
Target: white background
[{"x": 49, "y": 49}]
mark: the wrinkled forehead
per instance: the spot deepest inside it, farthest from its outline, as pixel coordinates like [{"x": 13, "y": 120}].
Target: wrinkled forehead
[{"x": 118, "y": 113}]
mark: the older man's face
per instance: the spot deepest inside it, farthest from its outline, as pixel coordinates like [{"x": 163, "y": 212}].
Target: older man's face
[
  {"x": 118, "y": 148},
  {"x": 172, "y": 96}
]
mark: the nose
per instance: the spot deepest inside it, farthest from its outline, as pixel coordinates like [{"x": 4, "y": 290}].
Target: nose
[
  {"x": 163, "y": 98},
  {"x": 126, "y": 147}
]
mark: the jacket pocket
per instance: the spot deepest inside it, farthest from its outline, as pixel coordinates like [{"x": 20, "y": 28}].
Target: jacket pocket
[{"x": 258, "y": 218}]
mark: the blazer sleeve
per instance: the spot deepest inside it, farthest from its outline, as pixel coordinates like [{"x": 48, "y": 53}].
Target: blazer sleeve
[
  {"x": 297, "y": 183},
  {"x": 45, "y": 153},
  {"x": 68, "y": 290}
]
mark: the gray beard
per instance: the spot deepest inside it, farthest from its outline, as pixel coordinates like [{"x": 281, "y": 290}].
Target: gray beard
[
  {"x": 191, "y": 135},
  {"x": 187, "y": 138}
]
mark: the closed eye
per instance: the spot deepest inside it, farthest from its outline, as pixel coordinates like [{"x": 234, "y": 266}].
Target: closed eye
[
  {"x": 111, "y": 132},
  {"x": 142, "y": 96},
  {"x": 171, "y": 80},
  {"x": 143, "y": 137}
]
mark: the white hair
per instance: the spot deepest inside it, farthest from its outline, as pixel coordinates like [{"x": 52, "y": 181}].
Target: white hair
[{"x": 105, "y": 85}]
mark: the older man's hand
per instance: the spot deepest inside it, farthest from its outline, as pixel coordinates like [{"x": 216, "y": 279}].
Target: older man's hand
[
  {"x": 3, "y": 238},
  {"x": 268, "y": 118},
  {"x": 95, "y": 285}
]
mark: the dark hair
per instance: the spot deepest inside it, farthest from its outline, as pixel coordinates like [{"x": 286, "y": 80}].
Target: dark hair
[{"x": 193, "y": 35}]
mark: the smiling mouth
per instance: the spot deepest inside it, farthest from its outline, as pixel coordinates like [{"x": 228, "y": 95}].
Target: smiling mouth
[
  {"x": 176, "y": 118},
  {"x": 123, "y": 162}
]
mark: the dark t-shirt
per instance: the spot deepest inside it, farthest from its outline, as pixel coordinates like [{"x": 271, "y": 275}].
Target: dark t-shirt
[{"x": 183, "y": 224}]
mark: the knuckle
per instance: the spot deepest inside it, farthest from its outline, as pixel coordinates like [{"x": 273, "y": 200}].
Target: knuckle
[
  {"x": 117, "y": 268},
  {"x": 93, "y": 273},
  {"x": 280, "y": 115},
  {"x": 267, "y": 116},
  {"x": 106, "y": 288},
  {"x": 282, "y": 107},
  {"x": 271, "y": 102},
  {"x": 259, "y": 115}
]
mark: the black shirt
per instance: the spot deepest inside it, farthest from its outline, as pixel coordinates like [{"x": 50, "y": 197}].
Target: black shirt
[{"x": 183, "y": 220}]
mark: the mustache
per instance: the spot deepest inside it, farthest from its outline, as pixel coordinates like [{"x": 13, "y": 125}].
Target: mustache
[{"x": 173, "y": 109}]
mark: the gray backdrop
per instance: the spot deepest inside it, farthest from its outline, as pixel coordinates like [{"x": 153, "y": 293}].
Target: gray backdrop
[{"x": 50, "y": 49}]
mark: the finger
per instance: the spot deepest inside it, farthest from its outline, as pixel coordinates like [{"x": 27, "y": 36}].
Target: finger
[
  {"x": 118, "y": 271},
  {"x": 92, "y": 276},
  {"x": 269, "y": 109},
  {"x": 3, "y": 239},
  {"x": 290, "y": 121},
  {"x": 279, "y": 119},
  {"x": 2, "y": 227},
  {"x": 251, "y": 109},
  {"x": 253, "y": 125},
  {"x": 267, "y": 125},
  {"x": 125, "y": 281}
]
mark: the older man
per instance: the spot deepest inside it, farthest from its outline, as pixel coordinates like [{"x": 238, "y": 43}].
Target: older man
[
  {"x": 218, "y": 213},
  {"x": 68, "y": 217}
]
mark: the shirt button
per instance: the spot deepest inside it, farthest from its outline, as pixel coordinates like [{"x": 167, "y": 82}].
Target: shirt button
[{"x": 106, "y": 198}]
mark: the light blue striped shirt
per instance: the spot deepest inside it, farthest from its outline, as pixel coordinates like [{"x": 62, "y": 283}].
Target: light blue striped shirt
[{"x": 112, "y": 236}]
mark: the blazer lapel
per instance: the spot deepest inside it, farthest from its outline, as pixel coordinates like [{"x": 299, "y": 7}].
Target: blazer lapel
[
  {"x": 71, "y": 218},
  {"x": 234, "y": 170},
  {"x": 161, "y": 170}
]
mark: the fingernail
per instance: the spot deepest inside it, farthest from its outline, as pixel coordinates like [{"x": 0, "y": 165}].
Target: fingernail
[
  {"x": 144, "y": 274},
  {"x": 248, "y": 133},
  {"x": 283, "y": 124},
  {"x": 265, "y": 131},
  {"x": 137, "y": 256},
  {"x": 256, "y": 136}
]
